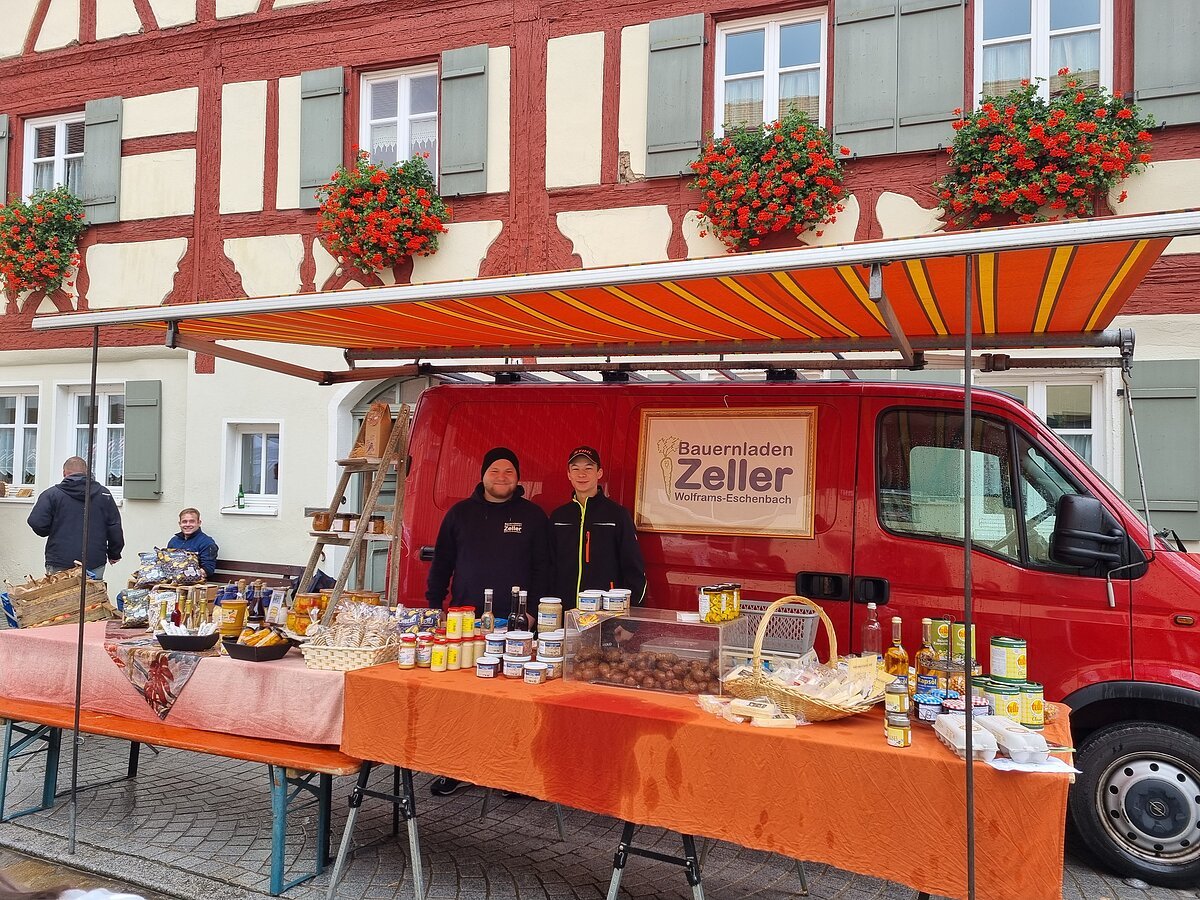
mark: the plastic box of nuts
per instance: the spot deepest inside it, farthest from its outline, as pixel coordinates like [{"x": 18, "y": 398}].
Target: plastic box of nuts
[{"x": 652, "y": 649}]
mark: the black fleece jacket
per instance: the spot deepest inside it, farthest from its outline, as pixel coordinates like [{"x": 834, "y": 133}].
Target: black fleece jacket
[
  {"x": 58, "y": 516},
  {"x": 595, "y": 548},
  {"x": 490, "y": 545}
]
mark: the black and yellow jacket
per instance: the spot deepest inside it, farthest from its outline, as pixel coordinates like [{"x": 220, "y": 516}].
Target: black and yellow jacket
[{"x": 595, "y": 547}]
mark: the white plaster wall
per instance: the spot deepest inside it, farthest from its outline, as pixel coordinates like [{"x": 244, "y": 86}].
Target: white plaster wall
[
  {"x": 635, "y": 81},
  {"x": 327, "y": 266},
  {"x": 461, "y": 251},
  {"x": 243, "y": 145},
  {"x": 1162, "y": 337},
  {"x": 901, "y": 216},
  {"x": 146, "y": 523},
  {"x": 279, "y": 4},
  {"x": 698, "y": 236},
  {"x": 1168, "y": 185},
  {"x": 307, "y": 474},
  {"x": 60, "y": 27},
  {"x": 228, "y": 8},
  {"x": 268, "y": 265},
  {"x": 18, "y": 16},
  {"x": 133, "y": 274},
  {"x": 170, "y": 112},
  {"x": 169, "y": 13},
  {"x": 154, "y": 185},
  {"x": 499, "y": 134},
  {"x": 287, "y": 181},
  {"x": 574, "y": 101},
  {"x": 116, "y": 17},
  {"x": 614, "y": 237}
]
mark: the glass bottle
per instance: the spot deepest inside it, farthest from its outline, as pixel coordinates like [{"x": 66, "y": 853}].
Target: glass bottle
[
  {"x": 925, "y": 659},
  {"x": 488, "y": 618},
  {"x": 872, "y": 633},
  {"x": 520, "y": 619},
  {"x": 895, "y": 661},
  {"x": 241, "y": 498}
]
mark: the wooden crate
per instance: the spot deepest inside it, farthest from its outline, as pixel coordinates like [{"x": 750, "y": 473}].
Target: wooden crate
[{"x": 54, "y": 600}]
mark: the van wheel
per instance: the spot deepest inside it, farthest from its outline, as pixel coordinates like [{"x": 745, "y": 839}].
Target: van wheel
[{"x": 1137, "y": 804}]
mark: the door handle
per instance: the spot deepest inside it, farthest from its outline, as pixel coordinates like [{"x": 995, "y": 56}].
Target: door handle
[
  {"x": 426, "y": 554},
  {"x": 823, "y": 585},
  {"x": 871, "y": 590}
]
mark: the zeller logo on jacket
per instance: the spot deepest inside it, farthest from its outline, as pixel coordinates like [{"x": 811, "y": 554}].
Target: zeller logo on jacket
[{"x": 512, "y": 527}]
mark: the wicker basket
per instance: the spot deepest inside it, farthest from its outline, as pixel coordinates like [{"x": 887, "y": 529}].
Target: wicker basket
[
  {"x": 791, "y": 699},
  {"x": 344, "y": 659}
]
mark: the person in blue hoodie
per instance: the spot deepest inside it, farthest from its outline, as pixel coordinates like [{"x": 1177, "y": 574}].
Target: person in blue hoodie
[
  {"x": 190, "y": 537},
  {"x": 58, "y": 516}
]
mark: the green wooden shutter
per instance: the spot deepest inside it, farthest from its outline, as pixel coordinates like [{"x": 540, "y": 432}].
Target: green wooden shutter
[
  {"x": 3, "y": 158},
  {"x": 321, "y": 130},
  {"x": 864, "y": 84},
  {"x": 1166, "y": 404},
  {"x": 462, "y": 148},
  {"x": 1166, "y": 59},
  {"x": 675, "y": 85},
  {"x": 143, "y": 440},
  {"x": 101, "y": 169},
  {"x": 931, "y": 72}
]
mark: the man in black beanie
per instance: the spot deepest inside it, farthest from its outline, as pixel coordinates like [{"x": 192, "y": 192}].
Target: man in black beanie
[{"x": 494, "y": 539}]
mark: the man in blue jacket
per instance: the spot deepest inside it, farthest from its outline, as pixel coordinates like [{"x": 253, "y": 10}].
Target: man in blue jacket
[
  {"x": 58, "y": 517},
  {"x": 191, "y": 538}
]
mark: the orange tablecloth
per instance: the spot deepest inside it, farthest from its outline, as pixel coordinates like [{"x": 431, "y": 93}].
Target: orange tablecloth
[{"x": 833, "y": 793}]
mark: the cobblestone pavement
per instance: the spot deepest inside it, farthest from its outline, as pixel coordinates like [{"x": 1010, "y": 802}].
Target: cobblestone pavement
[{"x": 199, "y": 827}]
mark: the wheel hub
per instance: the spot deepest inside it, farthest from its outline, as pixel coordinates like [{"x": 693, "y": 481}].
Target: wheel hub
[{"x": 1151, "y": 804}]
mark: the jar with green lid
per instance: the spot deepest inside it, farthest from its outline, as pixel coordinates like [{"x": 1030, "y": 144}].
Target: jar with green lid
[{"x": 1033, "y": 706}]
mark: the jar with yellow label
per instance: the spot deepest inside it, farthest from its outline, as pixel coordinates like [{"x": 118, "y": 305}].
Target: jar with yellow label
[
  {"x": 453, "y": 654},
  {"x": 407, "y": 657},
  {"x": 437, "y": 657},
  {"x": 898, "y": 730}
]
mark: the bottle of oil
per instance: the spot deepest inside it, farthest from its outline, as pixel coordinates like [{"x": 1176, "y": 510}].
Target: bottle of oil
[
  {"x": 895, "y": 661},
  {"x": 518, "y": 617},
  {"x": 924, "y": 660}
]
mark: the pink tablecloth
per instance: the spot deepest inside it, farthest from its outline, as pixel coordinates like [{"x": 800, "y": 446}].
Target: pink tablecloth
[{"x": 281, "y": 700}]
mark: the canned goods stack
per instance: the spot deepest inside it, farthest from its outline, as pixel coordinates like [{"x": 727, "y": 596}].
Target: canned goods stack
[{"x": 1014, "y": 695}]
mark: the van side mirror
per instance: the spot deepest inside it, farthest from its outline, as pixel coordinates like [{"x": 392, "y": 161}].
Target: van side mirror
[{"x": 1085, "y": 534}]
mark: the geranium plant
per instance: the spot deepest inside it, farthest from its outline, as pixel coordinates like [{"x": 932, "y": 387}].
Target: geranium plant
[
  {"x": 782, "y": 175},
  {"x": 1034, "y": 160},
  {"x": 38, "y": 240},
  {"x": 373, "y": 216}
]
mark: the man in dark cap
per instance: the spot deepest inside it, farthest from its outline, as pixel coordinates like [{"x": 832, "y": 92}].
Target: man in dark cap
[
  {"x": 494, "y": 539},
  {"x": 593, "y": 540}
]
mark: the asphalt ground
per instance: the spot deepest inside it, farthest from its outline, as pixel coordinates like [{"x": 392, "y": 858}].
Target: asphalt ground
[{"x": 199, "y": 827}]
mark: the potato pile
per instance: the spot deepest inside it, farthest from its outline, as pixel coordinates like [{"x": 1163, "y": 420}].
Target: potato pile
[{"x": 651, "y": 671}]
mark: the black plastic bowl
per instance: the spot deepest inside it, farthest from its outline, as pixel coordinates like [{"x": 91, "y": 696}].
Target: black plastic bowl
[
  {"x": 251, "y": 653},
  {"x": 188, "y": 641}
]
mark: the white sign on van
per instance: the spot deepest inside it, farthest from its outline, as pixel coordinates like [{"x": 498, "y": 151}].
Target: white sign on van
[{"x": 727, "y": 471}]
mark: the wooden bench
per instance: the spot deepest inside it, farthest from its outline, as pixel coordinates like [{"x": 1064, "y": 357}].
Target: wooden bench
[
  {"x": 274, "y": 574},
  {"x": 32, "y": 727}
]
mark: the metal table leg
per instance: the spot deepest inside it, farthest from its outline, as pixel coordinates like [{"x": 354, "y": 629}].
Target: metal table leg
[
  {"x": 348, "y": 832},
  {"x": 405, "y": 802},
  {"x": 690, "y": 862}
]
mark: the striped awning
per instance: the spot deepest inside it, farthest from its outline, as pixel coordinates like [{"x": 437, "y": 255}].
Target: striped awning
[{"x": 1029, "y": 282}]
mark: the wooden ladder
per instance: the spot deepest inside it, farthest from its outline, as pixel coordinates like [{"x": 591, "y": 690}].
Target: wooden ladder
[{"x": 374, "y": 471}]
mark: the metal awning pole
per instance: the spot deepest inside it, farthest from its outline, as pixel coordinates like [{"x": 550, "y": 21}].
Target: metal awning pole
[
  {"x": 968, "y": 617},
  {"x": 87, "y": 518}
]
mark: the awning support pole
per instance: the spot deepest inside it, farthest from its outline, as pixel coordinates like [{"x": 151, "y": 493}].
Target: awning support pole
[
  {"x": 876, "y": 293},
  {"x": 83, "y": 555},
  {"x": 177, "y": 341},
  {"x": 968, "y": 612}
]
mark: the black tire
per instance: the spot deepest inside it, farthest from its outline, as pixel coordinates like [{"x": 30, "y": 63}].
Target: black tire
[{"x": 1137, "y": 804}]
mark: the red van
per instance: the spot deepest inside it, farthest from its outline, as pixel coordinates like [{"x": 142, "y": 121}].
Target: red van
[{"x": 848, "y": 492}]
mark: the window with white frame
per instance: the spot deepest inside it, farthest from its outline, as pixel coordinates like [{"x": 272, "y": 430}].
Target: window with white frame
[
  {"x": 1070, "y": 407},
  {"x": 54, "y": 153},
  {"x": 108, "y": 463},
  {"x": 769, "y": 67},
  {"x": 1018, "y": 40},
  {"x": 18, "y": 437},
  {"x": 252, "y": 466},
  {"x": 400, "y": 115}
]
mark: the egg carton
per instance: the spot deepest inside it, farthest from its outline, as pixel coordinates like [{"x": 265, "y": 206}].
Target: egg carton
[
  {"x": 1017, "y": 742},
  {"x": 951, "y": 730}
]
